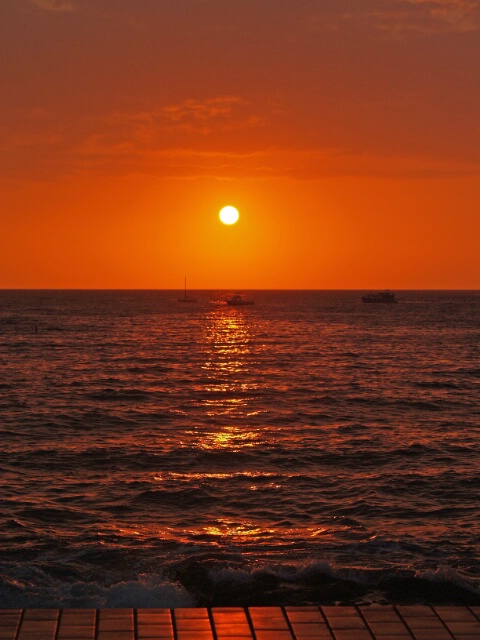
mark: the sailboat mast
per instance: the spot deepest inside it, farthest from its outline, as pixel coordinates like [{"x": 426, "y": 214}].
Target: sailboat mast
[{"x": 185, "y": 297}]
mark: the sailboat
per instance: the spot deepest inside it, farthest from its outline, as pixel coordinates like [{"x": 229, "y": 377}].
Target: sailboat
[{"x": 185, "y": 297}]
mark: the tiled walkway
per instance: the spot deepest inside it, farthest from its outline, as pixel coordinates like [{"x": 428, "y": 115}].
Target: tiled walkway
[{"x": 235, "y": 623}]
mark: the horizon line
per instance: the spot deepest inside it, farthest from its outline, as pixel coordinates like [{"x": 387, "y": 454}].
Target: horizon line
[{"x": 229, "y": 289}]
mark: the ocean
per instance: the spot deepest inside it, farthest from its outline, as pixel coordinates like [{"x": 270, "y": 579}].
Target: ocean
[{"x": 307, "y": 449}]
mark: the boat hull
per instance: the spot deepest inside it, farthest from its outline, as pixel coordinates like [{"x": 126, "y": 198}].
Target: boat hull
[
  {"x": 380, "y": 298},
  {"x": 239, "y": 300}
]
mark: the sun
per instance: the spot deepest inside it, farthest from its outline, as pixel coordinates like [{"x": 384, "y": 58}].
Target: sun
[{"x": 229, "y": 215}]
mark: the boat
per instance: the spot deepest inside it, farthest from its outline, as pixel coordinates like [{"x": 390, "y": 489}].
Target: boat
[
  {"x": 382, "y": 296},
  {"x": 238, "y": 300},
  {"x": 185, "y": 297}
]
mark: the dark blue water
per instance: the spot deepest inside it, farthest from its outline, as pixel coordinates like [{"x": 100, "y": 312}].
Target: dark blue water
[{"x": 307, "y": 449}]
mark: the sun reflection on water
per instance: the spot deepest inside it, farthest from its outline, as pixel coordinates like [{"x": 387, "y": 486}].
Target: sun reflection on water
[
  {"x": 238, "y": 530},
  {"x": 228, "y": 391},
  {"x": 227, "y": 347},
  {"x": 230, "y": 386},
  {"x": 230, "y": 437}
]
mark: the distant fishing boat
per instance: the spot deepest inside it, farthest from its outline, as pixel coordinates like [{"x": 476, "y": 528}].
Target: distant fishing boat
[
  {"x": 185, "y": 297},
  {"x": 238, "y": 300},
  {"x": 382, "y": 296}
]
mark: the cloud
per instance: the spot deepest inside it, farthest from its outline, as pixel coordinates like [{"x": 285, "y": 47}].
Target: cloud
[
  {"x": 220, "y": 137},
  {"x": 203, "y": 116},
  {"x": 262, "y": 163},
  {"x": 38, "y": 138},
  {"x": 60, "y": 6},
  {"x": 427, "y": 16},
  {"x": 196, "y": 123},
  {"x": 110, "y": 157},
  {"x": 225, "y": 113}
]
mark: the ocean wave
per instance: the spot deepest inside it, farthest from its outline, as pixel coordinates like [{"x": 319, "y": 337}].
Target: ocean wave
[
  {"x": 444, "y": 585},
  {"x": 363, "y": 424},
  {"x": 436, "y": 384},
  {"x": 45, "y": 591},
  {"x": 189, "y": 497},
  {"x": 54, "y": 515},
  {"x": 222, "y": 578},
  {"x": 216, "y": 583},
  {"x": 109, "y": 394}
]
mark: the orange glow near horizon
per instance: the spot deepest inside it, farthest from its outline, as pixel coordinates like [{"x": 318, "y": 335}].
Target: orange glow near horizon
[
  {"x": 332, "y": 234},
  {"x": 347, "y": 176}
]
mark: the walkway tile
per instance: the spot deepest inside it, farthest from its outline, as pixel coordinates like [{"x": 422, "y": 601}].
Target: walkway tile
[
  {"x": 193, "y": 613},
  {"x": 116, "y": 635},
  {"x": 311, "y": 630},
  {"x": 417, "y": 622},
  {"x": 162, "y": 631},
  {"x": 9, "y": 622},
  {"x": 273, "y": 634},
  {"x": 268, "y": 619},
  {"x": 41, "y": 614},
  {"x": 76, "y": 633}
]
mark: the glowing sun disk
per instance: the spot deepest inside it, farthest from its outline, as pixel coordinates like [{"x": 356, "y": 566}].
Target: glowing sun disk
[{"x": 229, "y": 215}]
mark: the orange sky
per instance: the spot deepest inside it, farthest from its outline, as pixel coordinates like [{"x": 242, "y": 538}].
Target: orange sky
[{"x": 347, "y": 134}]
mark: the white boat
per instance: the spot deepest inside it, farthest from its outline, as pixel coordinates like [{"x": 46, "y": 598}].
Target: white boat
[
  {"x": 238, "y": 300},
  {"x": 185, "y": 297}
]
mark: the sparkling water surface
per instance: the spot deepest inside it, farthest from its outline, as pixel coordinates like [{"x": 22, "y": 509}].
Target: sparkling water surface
[{"x": 308, "y": 448}]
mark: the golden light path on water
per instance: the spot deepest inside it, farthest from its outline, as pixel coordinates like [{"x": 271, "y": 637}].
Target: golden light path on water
[
  {"x": 229, "y": 343},
  {"x": 305, "y": 439},
  {"x": 227, "y": 337}
]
